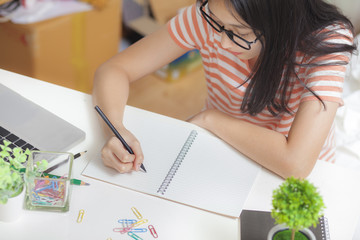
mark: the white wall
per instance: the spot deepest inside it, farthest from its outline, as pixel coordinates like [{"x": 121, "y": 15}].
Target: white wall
[{"x": 351, "y": 9}]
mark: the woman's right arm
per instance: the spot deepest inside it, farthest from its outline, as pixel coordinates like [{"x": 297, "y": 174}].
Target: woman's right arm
[{"x": 111, "y": 90}]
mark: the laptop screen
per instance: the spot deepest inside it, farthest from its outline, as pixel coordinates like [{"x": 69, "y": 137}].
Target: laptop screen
[{"x": 36, "y": 125}]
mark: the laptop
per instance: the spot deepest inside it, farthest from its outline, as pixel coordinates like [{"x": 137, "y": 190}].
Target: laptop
[{"x": 28, "y": 125}]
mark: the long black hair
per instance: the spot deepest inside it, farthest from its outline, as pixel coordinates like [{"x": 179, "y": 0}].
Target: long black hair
[{"x": 286, "y": 27}]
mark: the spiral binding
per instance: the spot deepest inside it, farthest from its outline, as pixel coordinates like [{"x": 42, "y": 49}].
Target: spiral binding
[
  {"x": 170, "y": 175},
  {"x": 325, "y": 233}
]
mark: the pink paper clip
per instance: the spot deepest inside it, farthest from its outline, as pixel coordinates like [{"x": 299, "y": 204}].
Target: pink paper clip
[
  {"x": 122, "y": 230},
  {"x": 152, "y": 231}
]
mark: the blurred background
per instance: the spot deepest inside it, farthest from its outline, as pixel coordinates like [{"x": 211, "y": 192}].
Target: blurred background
[{"x": 64, "y": 41}]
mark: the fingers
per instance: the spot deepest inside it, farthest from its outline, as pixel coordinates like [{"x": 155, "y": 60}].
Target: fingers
[
  {"x": 114, "y": 155},
  {"x": 139, "y": 156},
  {"x": 114, "y": 162}
]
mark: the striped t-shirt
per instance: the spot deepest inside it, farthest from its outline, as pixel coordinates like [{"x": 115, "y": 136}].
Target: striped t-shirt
[{"x": 224, "y": 73}]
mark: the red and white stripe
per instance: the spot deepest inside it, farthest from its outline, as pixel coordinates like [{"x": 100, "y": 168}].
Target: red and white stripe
[{"x": 224, "y": 73}]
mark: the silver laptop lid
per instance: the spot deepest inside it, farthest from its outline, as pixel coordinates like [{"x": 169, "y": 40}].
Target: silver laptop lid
[{"x": 36, "y": 125}]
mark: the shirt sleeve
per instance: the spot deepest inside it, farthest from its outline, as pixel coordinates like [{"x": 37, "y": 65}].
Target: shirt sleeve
[
  {"x": 188, "y": 28},
  {"x": 327, "y": 78}
]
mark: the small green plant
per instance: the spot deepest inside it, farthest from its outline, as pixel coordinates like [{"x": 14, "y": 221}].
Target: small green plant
[
  {"x": 297, "y": 204},
  {"x": 12, "y": 170}
]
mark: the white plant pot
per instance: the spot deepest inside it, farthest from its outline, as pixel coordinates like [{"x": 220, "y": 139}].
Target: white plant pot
[
  {"x": 13, "y": 209},
  {"x": 310, "y": 235}
]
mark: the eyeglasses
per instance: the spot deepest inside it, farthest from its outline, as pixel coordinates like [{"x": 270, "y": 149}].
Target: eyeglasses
[{"x": 241, "y": 42}]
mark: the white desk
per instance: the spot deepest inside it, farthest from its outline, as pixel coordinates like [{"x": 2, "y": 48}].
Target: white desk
[{"x": 104, "y": 204}]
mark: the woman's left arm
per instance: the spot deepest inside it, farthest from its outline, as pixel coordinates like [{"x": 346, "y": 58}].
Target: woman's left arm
[{"x": 294, "y": 155}]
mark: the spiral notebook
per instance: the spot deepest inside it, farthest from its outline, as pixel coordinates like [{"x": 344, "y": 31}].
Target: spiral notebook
[
  {"x": 186, "y": 166},
  {"x": 255, "y": 225}
]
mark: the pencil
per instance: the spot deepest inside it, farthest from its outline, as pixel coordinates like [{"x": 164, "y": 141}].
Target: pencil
[
  {"x": 78, "y": 182},
  {"x": 72, "y": 181},
  {"x": 117, "y": 134},
  {"x": 62, "y": 162},
  {"x": 79, "y": 154}
]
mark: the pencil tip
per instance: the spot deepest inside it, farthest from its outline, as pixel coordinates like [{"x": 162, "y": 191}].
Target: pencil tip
[{"x": 143, "y": 168}]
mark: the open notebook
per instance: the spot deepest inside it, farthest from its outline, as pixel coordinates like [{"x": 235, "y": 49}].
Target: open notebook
[{"x": 185, "y": 166}]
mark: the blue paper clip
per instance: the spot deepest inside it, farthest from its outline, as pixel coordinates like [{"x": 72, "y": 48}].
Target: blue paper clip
[
  {"x": 36, "y": 196},
  {"x": 127, "y": 221},
  {"x": 129, "y": 229},
  {"x": 138, "y": 230},
  {"x": 134, "y": 236},
  {"x": 56, "y": 183}
]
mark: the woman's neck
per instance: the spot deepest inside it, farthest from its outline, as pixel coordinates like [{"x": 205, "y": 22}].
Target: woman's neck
[{"x": 252, "y": 62}]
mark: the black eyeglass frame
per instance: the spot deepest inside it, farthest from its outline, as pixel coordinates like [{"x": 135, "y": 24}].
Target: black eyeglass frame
[{"x": 228, "y": 33}]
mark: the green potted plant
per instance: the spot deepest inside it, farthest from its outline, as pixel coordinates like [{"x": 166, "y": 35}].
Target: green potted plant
[
  {"x": 12, "y": 180},
  {"x": 296, "y": 206}
]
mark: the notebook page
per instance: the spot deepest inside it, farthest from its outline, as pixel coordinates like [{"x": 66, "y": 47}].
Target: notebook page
[
  {"x": 214, "y": 177},
  {"x": 160, "y": 142}
]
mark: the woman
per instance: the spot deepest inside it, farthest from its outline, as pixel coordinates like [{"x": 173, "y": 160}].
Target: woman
[{"x": 274, "y": 72}]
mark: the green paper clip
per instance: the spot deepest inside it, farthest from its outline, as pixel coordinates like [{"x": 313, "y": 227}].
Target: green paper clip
[{"x": 134, "y": 236}]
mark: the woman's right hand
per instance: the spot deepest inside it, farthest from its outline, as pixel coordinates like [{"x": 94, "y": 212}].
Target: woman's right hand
[
  {"x": 111, "y": 90},
  {"x": 115, "y": 155}
]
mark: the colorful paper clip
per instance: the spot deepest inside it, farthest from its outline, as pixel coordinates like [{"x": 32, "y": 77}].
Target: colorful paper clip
[
  {"x": 127, "y": 222},
  {"x": 137, "y": 213},
  {"x": 122, "y": 230},
  {"x": 134, "y": 236},
  {"x": 129, "y": 229},
  {"x": 139, "y": 230},
  {"x": 80, "y": 216},
  {"x": 140, "y": 222},
  {"x": 152, "y": 231}
]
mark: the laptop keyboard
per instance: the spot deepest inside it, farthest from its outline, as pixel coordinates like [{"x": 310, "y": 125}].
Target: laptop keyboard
[{"x": 15, "y": 140}]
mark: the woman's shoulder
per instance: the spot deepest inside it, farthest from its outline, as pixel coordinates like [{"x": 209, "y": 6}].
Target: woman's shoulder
[
  {"x": 338, "y": 32},
  {"x": 336, "y": 38},
  {"x": 188, "y": 28},
  {"x": 188, "y": 10}
]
